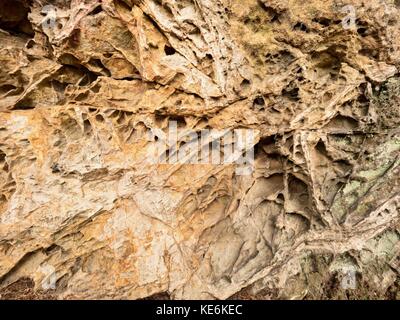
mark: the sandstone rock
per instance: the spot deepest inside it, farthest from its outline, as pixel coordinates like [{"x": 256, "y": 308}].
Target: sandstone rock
[{"x": 85, "y": 215}]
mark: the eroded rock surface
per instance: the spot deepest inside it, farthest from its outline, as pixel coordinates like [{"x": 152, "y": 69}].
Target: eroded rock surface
[{"x": 82, "y": 82}]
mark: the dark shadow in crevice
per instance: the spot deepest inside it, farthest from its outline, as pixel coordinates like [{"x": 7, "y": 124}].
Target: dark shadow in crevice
[{"x": 14, "y": 18}]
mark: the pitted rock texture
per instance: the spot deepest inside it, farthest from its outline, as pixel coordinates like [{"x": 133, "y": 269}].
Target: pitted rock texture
[{"x": 82, "y": 81}]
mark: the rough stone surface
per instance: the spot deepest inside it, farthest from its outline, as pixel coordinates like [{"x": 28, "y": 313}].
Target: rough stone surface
[{"x": 79, "y": 92}]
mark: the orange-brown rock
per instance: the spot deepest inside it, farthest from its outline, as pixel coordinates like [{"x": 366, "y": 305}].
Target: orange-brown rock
[{"x": 85, "y": 215}]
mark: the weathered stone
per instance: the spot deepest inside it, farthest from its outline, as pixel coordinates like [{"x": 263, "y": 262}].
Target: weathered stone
[{"x": 82, "y": 83}]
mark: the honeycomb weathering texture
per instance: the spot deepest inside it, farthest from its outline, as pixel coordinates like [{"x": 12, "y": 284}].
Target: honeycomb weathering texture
[{"x": 82, "y": 83}]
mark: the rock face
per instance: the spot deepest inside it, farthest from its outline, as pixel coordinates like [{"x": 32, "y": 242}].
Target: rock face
[{"x": 84, "y": 214}]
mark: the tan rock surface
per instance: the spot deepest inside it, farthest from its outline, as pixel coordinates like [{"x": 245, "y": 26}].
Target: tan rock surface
[{"x": 82, "y": 83}]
